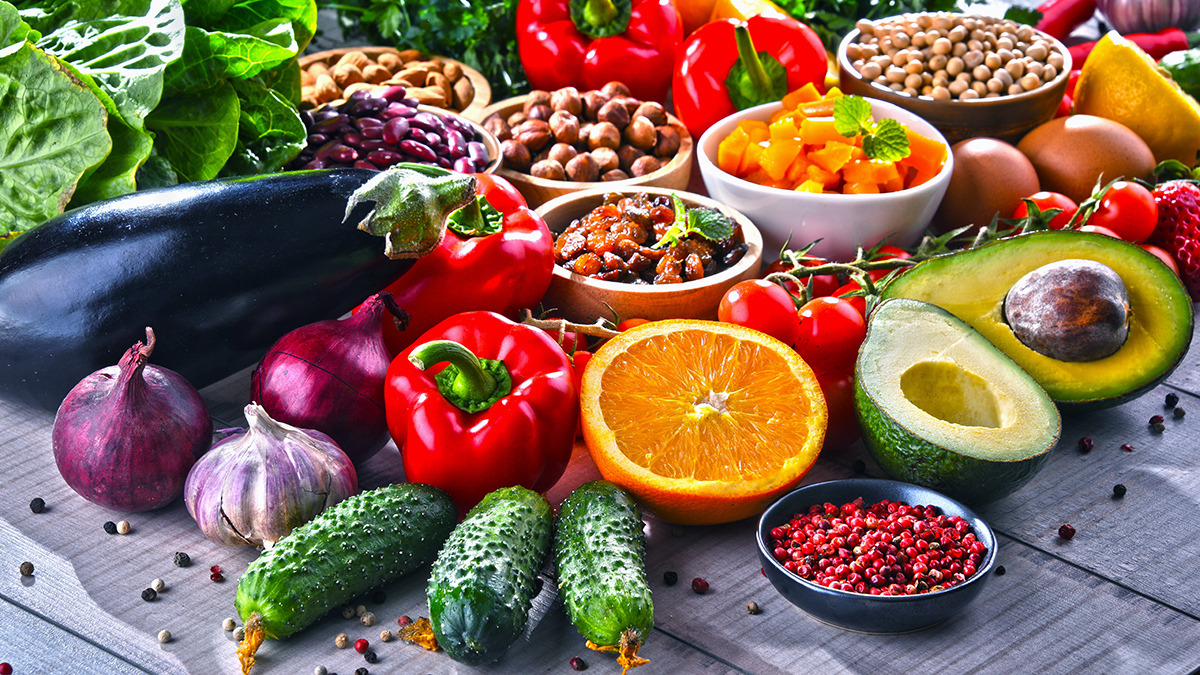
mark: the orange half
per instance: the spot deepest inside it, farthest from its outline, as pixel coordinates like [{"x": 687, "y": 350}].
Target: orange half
[{"x": 704, "y": 422}]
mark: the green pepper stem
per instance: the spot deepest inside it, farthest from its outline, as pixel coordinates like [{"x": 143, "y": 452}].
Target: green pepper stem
[
  {"x": 473, "y": 382},
  {"x": 600, "y": 12},
  {"x": 749, "y": 58}
]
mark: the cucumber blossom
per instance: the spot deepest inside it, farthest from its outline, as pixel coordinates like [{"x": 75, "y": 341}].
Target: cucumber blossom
[
  {"x": 600, "y": 551},
  {"x": 484, "y": 579},
  {"x": 365, "y": 541}
]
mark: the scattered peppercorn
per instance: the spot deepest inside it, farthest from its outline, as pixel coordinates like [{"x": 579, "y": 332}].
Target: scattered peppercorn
[
  {"x": 348, "y": 612},
  {"x": 215, "y": 569},
  {"x": 149, "y": 594},
  {"x": 5, "y": 669},
  {"x": 1000, "y": 570},
  {"x": 360, "y": 671},
  {"x": 38, "y": 504},
  {"x": 370, "y": 656},
  {"x": 239, "y": 633},
  {"x": 1179, "y": 413},
  {"x": 1119, "y": 490},
  {"x": 26, "y": 569},
  {"x": 578, "y": 663},
  {"x": 1066, "y": 532},
  {"x": 110, "y": 527},
  {"x": 182, "y": 559},
  {"x": 164, "y": 636},
  {"x": 379, "y": 596},
  {"x": 386, "y": 635},
  {"x": 320, "y": 670},
  {"x": 360, "y": 645},
  {"x": 368, "y": 619},
  {"x": 699, "y": 585},
  {"x": 1086, "y": 444},
  {"x": 752, "y": 607},
  {"x": 1158, "y": 428},
  {"x": 1127, "y": 447},
  {"x": 342, "y": 641},
  {"x": 216, "y": 576},
  {"x": 360, "y": 610},
  {"x": 859, "y": 466},
  {"x": 123, "y": 527},
  {"x": 1156, "y": 419},
  {"x": 404, "y": 620},
  {"x": 158, "y": 585},
  {"x": 670, "y": 578},
  {"x": 1172, "y": 400},
  {"x": 229, "y": 624}
]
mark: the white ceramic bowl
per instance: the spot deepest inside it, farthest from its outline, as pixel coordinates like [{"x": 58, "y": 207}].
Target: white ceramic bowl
[{"x": 841, "y": 222}]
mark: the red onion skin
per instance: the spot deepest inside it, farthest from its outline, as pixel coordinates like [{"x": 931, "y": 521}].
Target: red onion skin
[
  {"x": 329, "y": 376},
  {"x": 126, "y": 436}
]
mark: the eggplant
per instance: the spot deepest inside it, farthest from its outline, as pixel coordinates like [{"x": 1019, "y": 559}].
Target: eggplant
[{"x": 219, "y": 269}]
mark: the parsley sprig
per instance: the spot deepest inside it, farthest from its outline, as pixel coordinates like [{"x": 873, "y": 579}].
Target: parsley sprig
[
  {"x": 708, "y": 223},
  {"x": 885, "y": 140}
]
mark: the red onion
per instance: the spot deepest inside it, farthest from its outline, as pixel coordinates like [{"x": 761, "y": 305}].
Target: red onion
[
  {"x": 126, "y": 435},
  {"x": 329, "y": 376}
]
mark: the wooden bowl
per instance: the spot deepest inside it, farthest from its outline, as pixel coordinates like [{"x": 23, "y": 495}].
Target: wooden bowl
[
  {"x": 584, "y": 300},
  {"x": 674, "y": 175},
  {"x": 483, "y": 90}
]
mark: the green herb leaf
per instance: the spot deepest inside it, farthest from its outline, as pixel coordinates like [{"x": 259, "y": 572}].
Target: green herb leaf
[
  {"x": 885, "y": 140},
  {"x": 851, "y": 116},
  {"x": 889, "y": 143},
  {"x": 708, "y": 223},
  {"x": 1025, "y": 15},
  {"x": 197, "y": 131}
]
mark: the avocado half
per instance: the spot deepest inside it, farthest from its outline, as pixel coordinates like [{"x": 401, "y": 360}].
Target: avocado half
[
  {"x": 972, "y": 284},
  {"x": 940, "y": 406}
]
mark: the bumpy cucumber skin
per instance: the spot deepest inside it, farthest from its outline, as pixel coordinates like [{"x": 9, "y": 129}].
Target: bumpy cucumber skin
[
  {"x": 483, "y": 581},
  {"x": 363, "y": 542},
  {"x": 600, "y": 552}
]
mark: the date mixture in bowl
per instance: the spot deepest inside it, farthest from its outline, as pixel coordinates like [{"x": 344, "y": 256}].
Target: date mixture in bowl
[{"x": 641, "y": 239}]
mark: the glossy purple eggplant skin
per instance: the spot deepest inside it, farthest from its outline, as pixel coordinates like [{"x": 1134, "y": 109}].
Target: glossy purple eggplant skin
[{"x": 219, "y": 269}]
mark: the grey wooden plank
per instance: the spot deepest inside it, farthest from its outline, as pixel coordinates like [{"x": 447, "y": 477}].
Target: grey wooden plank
[
  {"x": 38, "y": 646},
  {"x": 1187, "y": 376}
]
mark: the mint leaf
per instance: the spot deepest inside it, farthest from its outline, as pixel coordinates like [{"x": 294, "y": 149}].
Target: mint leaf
[
  {"x": 889, "y": 143},
  {"x": 710, "y": 224},
  {"x": 885, "y": 140},
  {"x": 851, "y": 116}
]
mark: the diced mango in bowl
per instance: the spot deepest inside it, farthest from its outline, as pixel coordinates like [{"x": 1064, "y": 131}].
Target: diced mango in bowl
[{"x": 817, "y": 143}]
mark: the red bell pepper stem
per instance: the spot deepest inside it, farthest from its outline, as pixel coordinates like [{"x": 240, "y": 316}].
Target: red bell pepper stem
[
  {"x": 1060, "y": 17},
  {"x": 749, "y": 58},
  {"x": 599, "y": 12},
  {"x": 1157, "y": 45},
  {"x": 471, "y": 383}
]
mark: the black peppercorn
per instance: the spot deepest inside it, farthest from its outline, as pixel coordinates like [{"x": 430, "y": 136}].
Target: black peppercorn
[
  {"x": 182, "y": 559},
  {"x": 110, "y": 527},
  {"x": 26, "y": 569},
  {"x": 578, "y": 663},
  {"x": 859, "y": 466},
  {"x": 379, "y": 597},
  {"x": 149, "y": 594},
  {"x": 38, "y": 504},
  {"x": 999, "y": 570},
  {"x": 752, "y": 608},
  {"x": 670, "y": 578},
  {"x": 1119, "y": 490},
  {"x": 1158, "y": 427},
  {"x": 1172, "y": 400},
  {"x": 370, "y": 656},
  {"x": 361, "y": 671}
]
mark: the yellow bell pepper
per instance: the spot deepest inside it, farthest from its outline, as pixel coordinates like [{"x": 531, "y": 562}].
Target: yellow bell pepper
[
  {"x": 694, "y": 13},
  {"x": 744, "y": 9}
]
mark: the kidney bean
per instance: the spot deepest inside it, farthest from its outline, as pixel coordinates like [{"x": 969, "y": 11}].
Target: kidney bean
[
  {"x": 331, "y": 124},
  {"x": 307, "y": 118},
  {"x": 418, "y": 149},
  {"x": 368, "y": 106},
  {"x": 354, "y": 139},
  {"x": 364, "y": 164},
  {"x": 317, "y": 164},
  {"x": 385, "y": 158},
  {"x": 397, "y": 109},
  {"x": 393, "y": 93},
  {"x": 395, "y": 129},
  {"x": 432, "y": 139},
  {"x": 478, "y": 152},
  {"x": 456, "y": 144},
  {"x": 373, "y": 132},
  {"x": 344, "y": 154},
  {"x": 323, "y": 151},
  {"x": 360, "y": 95},
  {"x": 464, "y": 127},
  {"x": 323, "y": 114},
  {"x": 428, "y": 122},
  {"x": 376, "y": 144},
  {"x": 444, "y": 162},
  {"x": 317, "y": 140},
  {"x": 464, "y": 165},
  {"x": 410, "y": 102},
  {"x": 364, "y": 123}
]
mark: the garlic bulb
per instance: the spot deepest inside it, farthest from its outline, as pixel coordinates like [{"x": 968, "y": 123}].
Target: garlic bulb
[{"x": 256, "y": 486}]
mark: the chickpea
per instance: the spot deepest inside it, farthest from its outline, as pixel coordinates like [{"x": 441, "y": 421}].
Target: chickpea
[
  {"x": 958, "y": 33},
  {"x": 968, "y": 95},
  {"x": 994, "y": 85},
  {"x": 1049, "y": 73},
  {"x": 1030, "y": 82},
  {"x": 938, "y": 62},
  {"x": 940, "y": 79},
  {"x": 973, "y": 59},
  {"x": 1037, "y": 51},
  {"x": 1015, "y": 89},
  {"x": 981, "y": 73},
  {"x": 941, "y": 94},
  {"x": 957, "y": 88},
  {"x": 1034, "y": 68},
  {"x": 1015, "y": 68},
  {"x": 1055, "y": 60},
  {"x": 871, "y": 71},
  {"x": 960, "y": 48},
  {"x": 992, "y": 61},
  {"x": 894, "y": 74},
  {"x": 914, "y": 67},
  {"x": 954, "y": 66},
  {"x": 979, "y": 87},
  {"x": 913, "y": 81}
]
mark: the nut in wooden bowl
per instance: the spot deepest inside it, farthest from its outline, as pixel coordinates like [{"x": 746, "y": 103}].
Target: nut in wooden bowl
[
  {"x": 584, "y": 299},
  {"x": 559, "y": 142},
  {"x": 433, "y": 80}
]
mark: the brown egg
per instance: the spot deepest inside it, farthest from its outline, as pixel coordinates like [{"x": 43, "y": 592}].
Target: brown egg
[
  {"x": 990, "y": 177},
  {"x": 1071, "y": 153}
]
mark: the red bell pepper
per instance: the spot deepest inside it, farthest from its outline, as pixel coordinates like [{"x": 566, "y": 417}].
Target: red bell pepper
[
  {"x": 732, "y": 65},
  {"x": 481, "y": 403},
  {"x": 1060, "y": 17},
  {"x": 588, "y": 43},
  {"x": 497, "y": 255},
  {"x": 1157, "y": 45}
]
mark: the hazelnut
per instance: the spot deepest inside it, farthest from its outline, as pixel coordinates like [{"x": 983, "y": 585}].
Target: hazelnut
[
  {"x": 627, "y": 155},
  {"x": 615, "y": 174},
  {"x": 534, "y": 134},
  {"x": 585, "y": 130},
  {"x": 631, "y": 105},
  {"x": 615, "y": 89},
  {"x": 549, "y": 170},
  {"x": 653, "y": 111},
  {"x": 564, "y": 126},
  {"x": 567, "y": 99},
  {"x": 644, "y": 165},
  {"x": 498, "y": 127},
  {"x": 583, "y": 169},
  {"x": 562, "y": 153},
  {"x": 606, "y": 159},
  {"x": 604, "y": 135},
  {"x": 535, "y": 98},
  {"x": 592, "y": 101},
  {"x": 641, "y": 133},
  {"x": 539, "y": 112},
  {"x": 515, "y": 119},
  {"x": 614, "y": 112},
  {"x": 516, "y": 155},
  {"x": 668, "y": 142}
]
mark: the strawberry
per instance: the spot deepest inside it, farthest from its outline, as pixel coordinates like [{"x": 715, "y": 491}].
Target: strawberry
[{"x": 1178, "y": 229}]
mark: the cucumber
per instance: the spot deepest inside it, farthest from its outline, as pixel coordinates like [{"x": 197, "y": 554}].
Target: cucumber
[
  {"x": 600, "y": 552},
  {"x": 365, "y": 541},
  {"x": 484, "y": 579}
]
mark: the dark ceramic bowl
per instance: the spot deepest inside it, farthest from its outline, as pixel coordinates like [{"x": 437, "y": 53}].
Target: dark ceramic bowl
[{"x": 859, "y": 611}]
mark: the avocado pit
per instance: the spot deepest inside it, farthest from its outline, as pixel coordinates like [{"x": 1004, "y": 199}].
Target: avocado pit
[{"x": 1070, "y": 310}]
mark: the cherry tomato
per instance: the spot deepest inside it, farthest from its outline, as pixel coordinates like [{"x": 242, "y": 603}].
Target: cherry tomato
[
  {"x": 571, "y": 341},
  {"x": 1065, "y": 105},
  {"x": 1167, "y": 259},
  {"x": 857, "y": 302},
  {"x": 843, "y": 428},
  {"x": 1050, "y": 200},
  {"x": 1072, "y": 79},
  {"x": 823, "y": 284},
  {"x": 1100, "y": 230},
  {"x": 762, "y": 305},
  {"x": 831, "y": 331},
  {"x": 630, "y": 323},
  {"x": 887, "y": 252},
  {"x": 579, "y": 361},
  {"x": 1129, "y": 210}
]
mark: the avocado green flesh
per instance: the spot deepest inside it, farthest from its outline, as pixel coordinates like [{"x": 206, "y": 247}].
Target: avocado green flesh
[
  {"x": 972, "y": 284},
  {"x": 940, "y": 406}
]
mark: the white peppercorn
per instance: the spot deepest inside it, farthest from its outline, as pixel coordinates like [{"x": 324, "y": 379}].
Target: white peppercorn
[
  {"x": 158, "y": 585},
  {"x": 228, "y": 624},
  {"x": 164, "y": 636},
  {"x": 123, "y": 528}
]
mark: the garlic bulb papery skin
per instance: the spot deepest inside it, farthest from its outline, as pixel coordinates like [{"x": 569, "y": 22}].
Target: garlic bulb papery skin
[{"x": 256, "y": 486}]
